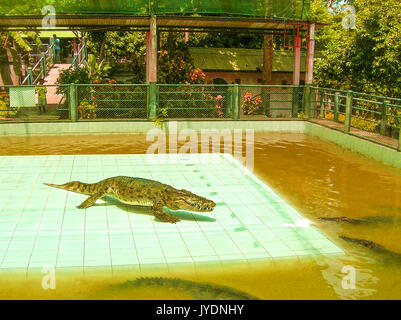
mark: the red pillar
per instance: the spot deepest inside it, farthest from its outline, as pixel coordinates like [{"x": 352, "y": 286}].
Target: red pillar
[
  {"x": 311, "y": 55},
  {"x": 147, "y": 55},
  {"x": 151, "y": 51},
  {"x": 297, "y": 59}
]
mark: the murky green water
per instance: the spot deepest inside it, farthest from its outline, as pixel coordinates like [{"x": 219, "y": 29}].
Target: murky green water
[{"x": 319, "y": 179}]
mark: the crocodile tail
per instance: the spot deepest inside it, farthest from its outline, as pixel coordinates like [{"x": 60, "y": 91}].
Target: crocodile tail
[{"x": 74, "y": 186}]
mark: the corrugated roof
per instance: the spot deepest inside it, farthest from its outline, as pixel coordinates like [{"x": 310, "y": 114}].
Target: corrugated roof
[{"x": 238, "y": 59}]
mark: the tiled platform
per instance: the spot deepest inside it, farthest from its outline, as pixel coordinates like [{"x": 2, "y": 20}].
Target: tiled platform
[{"x": 41, "y": 226}]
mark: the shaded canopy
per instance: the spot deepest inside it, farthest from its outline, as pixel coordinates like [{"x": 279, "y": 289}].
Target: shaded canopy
[{"x": 286, "y": 9}]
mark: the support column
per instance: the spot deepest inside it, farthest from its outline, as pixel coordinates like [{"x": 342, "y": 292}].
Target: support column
[
  {"x": 297, "y": 60},
  {"x": 151, "y": 50},
  {"x": 267, "y": 59},
  {"x": 147, "y": 55},
  {"x": 310, "y": 55},
  {"x": 267, "y": 72},
  {"x": 296, "y": 74}
]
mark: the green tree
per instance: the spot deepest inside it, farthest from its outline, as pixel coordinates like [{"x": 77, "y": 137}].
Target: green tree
[{"x": 366, "y": 58}]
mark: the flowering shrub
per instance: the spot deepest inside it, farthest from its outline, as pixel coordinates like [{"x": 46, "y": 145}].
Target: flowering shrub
[
  {"x": 87, "y": 110},
  {"x": 197, "y": 76},
  {"x": 5, "y": 110},
  {"x": 362, "y": 124},
  {"x": 250, "y": 104}
]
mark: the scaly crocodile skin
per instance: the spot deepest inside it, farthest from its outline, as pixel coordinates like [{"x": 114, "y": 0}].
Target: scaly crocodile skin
[{"x": 142, "y": 192}]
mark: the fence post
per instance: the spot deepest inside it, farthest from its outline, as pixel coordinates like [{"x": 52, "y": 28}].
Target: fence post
[
  {"x": 75, "y": 60},
  {"x": 399, "y": 141},
  {"x": 384, "y": 119},
  {"x": 307, "y": 100},
  {"x": 235, "y": 102},
  {"x": 322, "y": 104},
  {"x": 152, "y": 100},
  {"x": 43, "y": 66},
  {"x": 348, "y": 112},
  {"x": 336, "y": 105},
  {"x": 73, "y": 102},
  {"x": 29, "y": 73},
  {"x": 295, "y": 97},
  {"x": 228, "y": 103}
]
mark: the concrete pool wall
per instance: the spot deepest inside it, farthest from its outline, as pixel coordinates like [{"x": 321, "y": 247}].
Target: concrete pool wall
[{"x": 364, "y": 147}]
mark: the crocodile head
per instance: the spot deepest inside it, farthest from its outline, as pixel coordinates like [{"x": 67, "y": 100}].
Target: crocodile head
[{"x": 186, "y": 200}]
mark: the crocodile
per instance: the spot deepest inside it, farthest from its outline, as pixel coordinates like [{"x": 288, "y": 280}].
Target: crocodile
[
  {"x": 140, "y": 192},
  {"x": 364, "y": 220},
  {"x": 384, "y": 253}
]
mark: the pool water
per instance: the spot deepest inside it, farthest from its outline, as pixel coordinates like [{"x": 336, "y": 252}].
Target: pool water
[{"x": 312, "y": 178}]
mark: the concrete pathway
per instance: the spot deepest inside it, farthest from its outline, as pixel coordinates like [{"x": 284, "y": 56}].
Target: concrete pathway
[{"x": 51, "y": 81}]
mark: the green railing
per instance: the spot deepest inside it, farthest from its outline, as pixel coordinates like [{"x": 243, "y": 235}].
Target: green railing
[
  {"x": 41, "y": 68},
  {"x": 370, "y": 117}
]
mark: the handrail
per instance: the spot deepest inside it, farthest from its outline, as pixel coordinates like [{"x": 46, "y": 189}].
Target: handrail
[{"x": 29, "y": 75}]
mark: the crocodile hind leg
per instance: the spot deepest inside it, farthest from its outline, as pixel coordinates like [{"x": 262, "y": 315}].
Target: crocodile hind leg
[
  {"x": 157, "y": 210},
  {"x": 91, "y": 200}
]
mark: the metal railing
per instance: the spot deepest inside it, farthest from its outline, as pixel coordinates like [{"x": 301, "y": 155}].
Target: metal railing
[
  {"x": 41, "y": 68},
  {"x": 370, "y": 117}
]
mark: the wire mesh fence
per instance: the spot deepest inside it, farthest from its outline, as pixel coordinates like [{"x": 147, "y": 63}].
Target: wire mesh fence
[
  {"x": 195, "y": 101},
  {"x": 109, "y": 102},
  {"x": 371, "y": 117},
  {"x": 270, "y": 101},
  {"x": 32, "y": 103}
]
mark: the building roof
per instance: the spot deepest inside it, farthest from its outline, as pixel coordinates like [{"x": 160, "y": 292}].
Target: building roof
[
  {"x": 62, "y": 34},
  {"x": 239, "y": 59}
]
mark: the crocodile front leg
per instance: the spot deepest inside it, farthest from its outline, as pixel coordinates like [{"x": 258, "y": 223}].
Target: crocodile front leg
[
  {"x": 91, "y": 200},
  {"x": 157, "y": 210}
]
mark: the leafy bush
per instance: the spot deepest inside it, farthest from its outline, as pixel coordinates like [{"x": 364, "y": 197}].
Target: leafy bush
[
  {"x": 8, "y": 112},
  {"x": 356, "y": 122},
  {"x": 251, "y": 105}
]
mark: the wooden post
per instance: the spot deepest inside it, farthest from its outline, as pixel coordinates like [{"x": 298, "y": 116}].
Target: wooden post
[
  {"x": 147, "y": 55},
  {"x": 297, "y": 60},
  {"x": 152, "y": 45},
  {"x": 310, "y": 55},
  {"x": 267, "y": 71}
]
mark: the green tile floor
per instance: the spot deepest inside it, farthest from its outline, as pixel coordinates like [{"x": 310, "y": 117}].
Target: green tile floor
[{"x": 41, "y": 226}]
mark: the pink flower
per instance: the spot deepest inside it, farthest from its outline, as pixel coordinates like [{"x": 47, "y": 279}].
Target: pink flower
[{"x": 219, "y": 97}]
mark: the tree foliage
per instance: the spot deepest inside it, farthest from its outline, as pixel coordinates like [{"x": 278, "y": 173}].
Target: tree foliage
[{"x": 366, "y": 58}]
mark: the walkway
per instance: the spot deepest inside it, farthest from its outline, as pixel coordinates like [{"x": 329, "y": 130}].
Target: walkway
[{"x": 51, "y": 80}]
